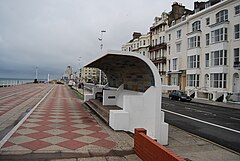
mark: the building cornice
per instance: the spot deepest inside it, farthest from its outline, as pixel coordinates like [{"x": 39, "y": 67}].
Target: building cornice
[{"x": 209, "y": 9}]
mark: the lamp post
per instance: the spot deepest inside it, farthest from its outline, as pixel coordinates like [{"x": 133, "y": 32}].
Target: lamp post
[
  {"x": 101, "y": 47},
  {"x": 36, "y": 73}
]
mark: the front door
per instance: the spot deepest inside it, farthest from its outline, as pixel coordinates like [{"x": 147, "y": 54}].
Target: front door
[
  {"x": 236, "y": 83},
  {"x": 206, "y": 84}
]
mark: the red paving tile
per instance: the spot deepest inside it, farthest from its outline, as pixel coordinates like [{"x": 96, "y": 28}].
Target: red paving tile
[
  {"x": 70, "y": 135},
  {"x": 99, "y": 135},
  {"x": 42, "y": 128},
  {"x": 72, "y": 144},
  {"x": 94, "y": 128},
  {"x": 7, "y": 144},
  {"x": 68, "y": 128},
  {"x": 35, "y": 145},
  {"x": 39, "y": 135}
]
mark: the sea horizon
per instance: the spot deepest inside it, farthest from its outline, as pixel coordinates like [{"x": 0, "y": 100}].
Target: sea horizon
[{"x": 20, "y": 79}]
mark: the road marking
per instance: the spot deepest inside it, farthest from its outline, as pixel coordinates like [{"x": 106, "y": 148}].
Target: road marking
[
  {"x": 219, "y": 126},
  {"x": 4, "y": 140},
  {"x": 233, "y": 118}
]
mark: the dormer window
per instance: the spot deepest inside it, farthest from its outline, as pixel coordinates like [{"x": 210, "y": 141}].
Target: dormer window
[
  {"x": 173, "y": 22},
  {"x": 183, "y": 18},
  {"x": 196, "y": 26},
  {"x": 222, "y": 16}
]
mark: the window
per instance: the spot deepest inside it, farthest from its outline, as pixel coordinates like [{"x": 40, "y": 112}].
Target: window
[
  {"x": 183, "y": 18},
  {"x": 219, "y": 58},
  {"x": 173, "y": 81},
  {"x": 193, "y": 61},
  {"x": 152, "y": 42},
  {"x": 194, "y": 42},
  {"x": 236, "y": 31},
  {"x": 178, "y": 47},
  {"x": 219, "y": 35},
  {"x": 155, "y": 41},
  {"x": 169, "y": 50},
  {"x": 144, "y": 53},
  {"x": 163, "y": 39},
  {"x": 236, "y": 55},
  {"x": 207, "y": 39},
  {"x": 169, "y": 37},
  {"x": 208, "y": 21},
  {"x": 144, "y": 42},
  {"x": 222, "y": 16},
  {"x": 196, "y": 26},
  {"x": 218, "y": 80},
  {"x": 179, "y": 34},
  {"x": 207, "y": 60},
  {"x": 237, "y": 9},
  {"x": 193, "y": 80},
  {"x": 175, "y": 64},
  {"x": 169, "y": 65}
]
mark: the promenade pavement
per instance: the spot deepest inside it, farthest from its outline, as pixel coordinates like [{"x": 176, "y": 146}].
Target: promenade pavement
[{"x": 61, "y": 128}]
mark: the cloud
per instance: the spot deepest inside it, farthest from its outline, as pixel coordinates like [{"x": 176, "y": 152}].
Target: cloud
[{"x": 52, "y": 34}]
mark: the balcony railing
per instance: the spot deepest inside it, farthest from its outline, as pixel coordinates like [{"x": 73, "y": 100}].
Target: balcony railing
[
  {"x": 236, "y": 64},
  {"x": 158, "y": 46},
  {"x": 159, "y": 60}
]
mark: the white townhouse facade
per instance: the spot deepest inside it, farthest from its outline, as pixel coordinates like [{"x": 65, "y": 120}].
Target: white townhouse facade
[
  {"x": 201, "y": 48},
  {"x": 158, "y": 47},
  {"x": 213, "y": 50},
  {"x": 144, "y": 43},
  {"x": 177, "y": 53},
  {"x": 139, "y": 43}
]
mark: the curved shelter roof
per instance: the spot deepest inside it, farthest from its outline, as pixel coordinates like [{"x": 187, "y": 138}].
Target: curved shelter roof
[{"x": 134, "y": 70}]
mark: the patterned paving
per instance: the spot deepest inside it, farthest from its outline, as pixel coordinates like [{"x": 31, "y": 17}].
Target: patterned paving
[{"x": 60, "y": 123}]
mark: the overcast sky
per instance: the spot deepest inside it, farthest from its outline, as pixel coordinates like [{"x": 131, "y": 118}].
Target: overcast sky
[{"x": 52, "y": 34}]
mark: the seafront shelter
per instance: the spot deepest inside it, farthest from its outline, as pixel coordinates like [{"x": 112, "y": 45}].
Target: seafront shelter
[{"x": 134, "y": 85}]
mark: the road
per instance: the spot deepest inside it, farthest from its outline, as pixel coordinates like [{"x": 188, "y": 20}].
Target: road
[{"x": 217, "y": 124}]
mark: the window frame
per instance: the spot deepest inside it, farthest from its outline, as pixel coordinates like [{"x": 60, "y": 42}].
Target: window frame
[
  {"x": 194, "y": 42},
  {"x": 237, "y": 32},
  {"x": 218, "y": 80},
  {"x": 174, "y": 63},
  {"x": 237, "y": 10},
  {"x": 178, "y": 47},
  {"x": 196, "y": 26},
  {"x": 236, "y": 54},
  {"x": 179, "y": 34},
  {"x": 218, "y": 58},
  {"x": 207, "y": 59},
  {"x": 222, "y": 16}
]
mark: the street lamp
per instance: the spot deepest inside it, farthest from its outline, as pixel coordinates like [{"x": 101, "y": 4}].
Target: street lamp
[
  {"x": 101, "y": 47},
  {"x": 36, "y": 73}
]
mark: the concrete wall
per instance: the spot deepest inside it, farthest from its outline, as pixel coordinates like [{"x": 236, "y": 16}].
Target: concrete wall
[{"x": 142, "y": 111}]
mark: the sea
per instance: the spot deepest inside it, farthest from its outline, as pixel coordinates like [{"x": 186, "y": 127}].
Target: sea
[{"x": 4, "y": 82}]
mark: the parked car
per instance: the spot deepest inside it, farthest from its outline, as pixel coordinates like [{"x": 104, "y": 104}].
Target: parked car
[{"x": 179, "y": 95}]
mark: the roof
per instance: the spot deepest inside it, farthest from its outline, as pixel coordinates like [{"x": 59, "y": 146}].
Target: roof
[{"x": 134, "y": 70}]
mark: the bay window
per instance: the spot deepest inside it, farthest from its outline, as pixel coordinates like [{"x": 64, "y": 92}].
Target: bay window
[{"x": 218, "y": 80}]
